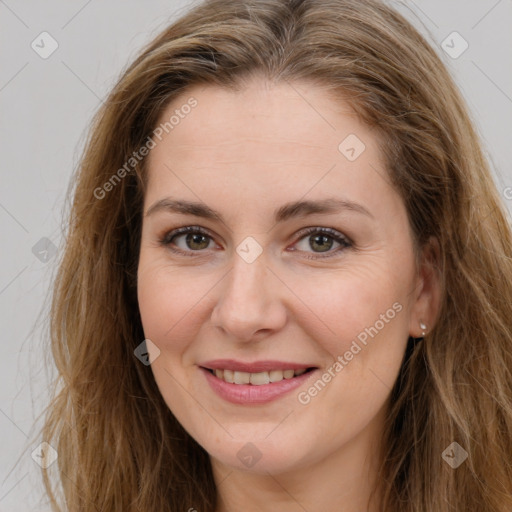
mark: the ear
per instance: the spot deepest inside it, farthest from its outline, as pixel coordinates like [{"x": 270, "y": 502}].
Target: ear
[{"x": 427, "y": 290}]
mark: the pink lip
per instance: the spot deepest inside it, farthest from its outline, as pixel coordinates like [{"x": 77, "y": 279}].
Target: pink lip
[
  {"x": 249, "y": 394},
  {"x": 254, "y": 367}
]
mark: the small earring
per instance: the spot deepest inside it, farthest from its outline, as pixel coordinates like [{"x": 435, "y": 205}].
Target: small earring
[{"x": 423, "y": 328}]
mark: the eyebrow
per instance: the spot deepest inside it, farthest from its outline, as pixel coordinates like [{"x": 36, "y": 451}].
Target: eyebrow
[{"x": 283, "y": 213}]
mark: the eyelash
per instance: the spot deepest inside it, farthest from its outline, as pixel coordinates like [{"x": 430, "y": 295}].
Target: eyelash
[{"x": 345, "y": 242}]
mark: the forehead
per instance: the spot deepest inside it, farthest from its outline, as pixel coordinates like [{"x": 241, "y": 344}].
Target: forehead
[
  {"x": 278, "y": 114},
  {"x": 289, "y": 138}
]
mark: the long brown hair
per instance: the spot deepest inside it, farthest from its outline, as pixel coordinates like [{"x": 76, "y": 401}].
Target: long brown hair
[{"x": 120, "y": 447}]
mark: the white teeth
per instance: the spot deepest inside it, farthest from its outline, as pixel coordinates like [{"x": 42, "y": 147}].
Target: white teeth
[
  {"x": 259, "y": 378},
  {"x": 242, "y": 378},
  {"x": 275, "y": 375}
]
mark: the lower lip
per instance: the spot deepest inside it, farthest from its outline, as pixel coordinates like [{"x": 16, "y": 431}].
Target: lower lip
[{"x": 251, "y": 394}]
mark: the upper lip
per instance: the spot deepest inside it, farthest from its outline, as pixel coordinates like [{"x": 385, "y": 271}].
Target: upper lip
[{"x": 254, "y": 367}]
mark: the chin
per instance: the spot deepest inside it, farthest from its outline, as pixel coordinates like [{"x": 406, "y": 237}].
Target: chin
[{"x": 259, "y": 457}]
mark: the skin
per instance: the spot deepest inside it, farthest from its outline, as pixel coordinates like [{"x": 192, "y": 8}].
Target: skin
[{"x": 244, "y": 154}]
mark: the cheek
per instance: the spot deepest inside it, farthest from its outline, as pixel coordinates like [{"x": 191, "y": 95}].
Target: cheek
[
  {"x": 358, "y": 303},
  {"x": 168, "y": 304},
  {"x": 154, "y": 300},
  {"x": 360, "y": 320},
  {"x": 173, "y": 305},
  {"x": 162, "y": 303},
  {"x": 361, "y": 323}
]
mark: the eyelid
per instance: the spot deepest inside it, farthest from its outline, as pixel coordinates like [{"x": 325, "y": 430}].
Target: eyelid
[
  {"x": 333, "y": 233},
  {"x": 168, "y": 235}
]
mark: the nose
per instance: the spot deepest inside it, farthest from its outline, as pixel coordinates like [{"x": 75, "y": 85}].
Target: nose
[{"x": 249, "y": 305}]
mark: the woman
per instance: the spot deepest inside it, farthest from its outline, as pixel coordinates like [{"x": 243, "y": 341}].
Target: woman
[{"x": 212, "y": 358}]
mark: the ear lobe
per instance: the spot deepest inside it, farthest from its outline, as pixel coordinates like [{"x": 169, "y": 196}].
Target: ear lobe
[{"x": 429, "y": 290}]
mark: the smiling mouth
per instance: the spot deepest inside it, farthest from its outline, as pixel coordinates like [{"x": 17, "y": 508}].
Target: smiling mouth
[{"x": 259, "y": 378}]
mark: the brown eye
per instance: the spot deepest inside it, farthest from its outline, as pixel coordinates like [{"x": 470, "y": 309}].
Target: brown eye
[
  {"x": 196, "y": 241},
  {"x": 187, "y": 239},
  {"x": 322, "y": 240}
]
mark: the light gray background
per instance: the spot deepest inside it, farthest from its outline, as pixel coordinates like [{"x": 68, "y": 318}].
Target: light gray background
[{"x": 46, "y": 106}]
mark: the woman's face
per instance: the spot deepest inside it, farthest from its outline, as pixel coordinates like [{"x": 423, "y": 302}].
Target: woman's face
[{"x": 281, "y": 276}]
